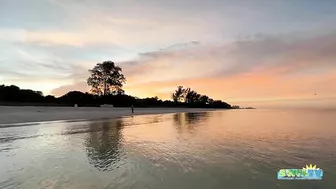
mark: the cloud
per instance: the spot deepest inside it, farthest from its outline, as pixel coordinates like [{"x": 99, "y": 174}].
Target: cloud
[
  {"x": 44, "y": 60},
  {"x": 41, "y": 67},
  {"x": 122, "y": 23},
  {"x": 283, "y": 55},
  {"x": 262, "y": 68},
  {"x": 121, "y": 32},
  {"x": 35, "y": 15},
  {"x": 79, "y": 86},
  {"x": 255, "y": 68},
  {"x": 258, "y": 89},
  {"x": 49, "y": 44}
]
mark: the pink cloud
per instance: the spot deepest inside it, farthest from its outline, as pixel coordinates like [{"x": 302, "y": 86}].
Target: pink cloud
[{"x": 260, "y": 69}]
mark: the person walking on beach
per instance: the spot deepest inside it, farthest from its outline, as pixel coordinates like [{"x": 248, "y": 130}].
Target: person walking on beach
[{"x": 132, "y": 107}]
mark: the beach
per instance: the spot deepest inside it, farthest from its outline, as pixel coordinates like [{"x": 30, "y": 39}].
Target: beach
[
  {"x": 26, "y": 114},
  {"x": 235, "y": 149}
]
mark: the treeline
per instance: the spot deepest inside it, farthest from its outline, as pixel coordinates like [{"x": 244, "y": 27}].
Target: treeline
[
  {"x": 13, "y": 95},
  {"x": 194, "y": 99}
]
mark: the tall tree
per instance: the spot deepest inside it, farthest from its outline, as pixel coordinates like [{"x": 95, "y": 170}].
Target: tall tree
[
  {"x": 106, "y": 78},
  {"x": 178, "y": 95},
  {"x": 192, "y": 96}
]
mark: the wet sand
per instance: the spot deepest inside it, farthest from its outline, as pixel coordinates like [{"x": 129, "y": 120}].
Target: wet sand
[
  {"x": 238, "y": 149},
  {"x": 25, "y": 114}
]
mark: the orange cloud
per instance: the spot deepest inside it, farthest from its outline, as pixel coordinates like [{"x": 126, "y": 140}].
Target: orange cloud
[
  {"x": 79, "y": 86},
  {"x": 262, "y": 69},
  {"x": 250, "y": 86},
  {"x": 256, "y": 88}
]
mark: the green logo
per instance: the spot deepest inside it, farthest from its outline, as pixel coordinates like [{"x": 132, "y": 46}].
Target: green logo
[{"x": 307, "y": 173}]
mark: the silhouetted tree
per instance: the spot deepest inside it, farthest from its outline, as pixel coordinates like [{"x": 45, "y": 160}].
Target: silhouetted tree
[
  {"x": 118, "y": 92},
  {"x": 183, "y": 97},
  {"x": 204, "y": 99},
  {"x": 73, "y": 97},
  {"x": 178, "y": 95},
  {"x": 192, "y": 96},
  {"x": 13, "y": 93},
  {"x": 106, "y": 78},
  {"x": 193, "y": 99},
  {"x": 50, "y": 98}
]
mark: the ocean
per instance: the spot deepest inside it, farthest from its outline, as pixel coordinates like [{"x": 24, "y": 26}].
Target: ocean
[{"x": 231, "y": 149}]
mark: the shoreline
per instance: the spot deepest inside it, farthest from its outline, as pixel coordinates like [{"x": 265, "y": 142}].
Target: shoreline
[{"x": 13, "y": 115}]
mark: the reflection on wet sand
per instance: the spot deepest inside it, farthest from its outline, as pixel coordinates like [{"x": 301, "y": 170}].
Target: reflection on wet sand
[
  {"x": 186, "y": 121},
  {"x": 235, "y": 149},
  {"x": 103, "y": 145}
]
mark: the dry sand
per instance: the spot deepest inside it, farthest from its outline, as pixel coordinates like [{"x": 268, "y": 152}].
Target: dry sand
[{"x": 26, "y": 114}]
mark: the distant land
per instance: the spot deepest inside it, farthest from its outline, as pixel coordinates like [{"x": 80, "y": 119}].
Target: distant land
[
  {"x": 14, "y": 96},
  {"x": 106, "y": 81}
]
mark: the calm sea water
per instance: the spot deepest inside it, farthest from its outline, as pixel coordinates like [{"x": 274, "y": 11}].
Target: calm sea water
[{"x": 238, "y": 149}]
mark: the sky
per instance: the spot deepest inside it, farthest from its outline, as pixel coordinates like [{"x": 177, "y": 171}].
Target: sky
[{"x": 261, "y": 53}]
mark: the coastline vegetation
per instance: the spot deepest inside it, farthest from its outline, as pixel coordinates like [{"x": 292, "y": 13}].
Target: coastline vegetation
[{"x": 106, "y": 81}]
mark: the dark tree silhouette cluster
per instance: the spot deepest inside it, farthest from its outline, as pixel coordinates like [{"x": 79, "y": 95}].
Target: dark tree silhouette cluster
[
  {"x": 15, "y": 94},
  {"x": 191, "y": 98},
  {"x": 106, "y": 81}
]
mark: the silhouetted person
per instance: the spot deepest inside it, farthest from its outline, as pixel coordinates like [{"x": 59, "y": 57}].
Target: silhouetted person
[{"x": 132, "y": 107}]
